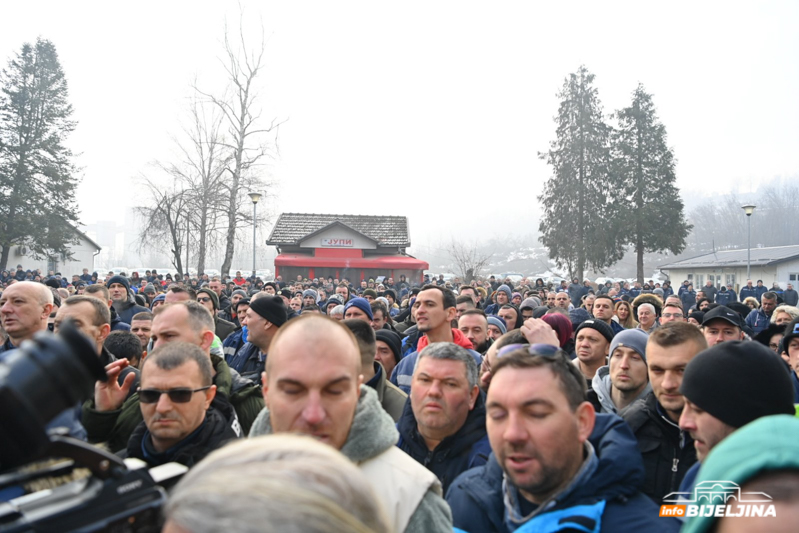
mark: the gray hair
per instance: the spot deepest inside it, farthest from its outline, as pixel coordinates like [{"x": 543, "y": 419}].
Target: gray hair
[
  {"x": 648, "y": 306},
  {"x": 790, "y": 310},
  {"x": 338, "y": 310},
  {"x": 175, "y": 354},
  {"x": 294, "y": 482},
  {"x": 453, "y": 352}
]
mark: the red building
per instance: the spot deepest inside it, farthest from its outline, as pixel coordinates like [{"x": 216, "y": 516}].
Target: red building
[{"x": 343, "y": 246}]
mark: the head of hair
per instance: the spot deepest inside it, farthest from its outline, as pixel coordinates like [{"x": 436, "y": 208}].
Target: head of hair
[
  {"x": 336, "y": 311},
  {"x": 200, "y": 318},
  {"x": 175, "y": 354},
  {"x": 101, "y": 289},
  {"x": 452, "y": 352},
  {"x": 144, "y": 315},
  {"x": 177, "y": 289},
  {"x": 677, "y": 333},
  {"x": 674, "y": 304},
  {"x": 365, "y": 336},
  {"x": 603, "y": 297},
  {"x": 124, "y": 345},
  {"x": 465, "y": 299},
  {"x": 570, "y": 379},
  {"x": 475, "y": 312},
  {"x": 101, "y": 313},
  {"x": 301, "y": 484},
  {"x": 790, "y": 310},
  {"x": 377, "y": 305},
  {"x": 447, "y": 296},
  {"x": 769, "y": 296}
]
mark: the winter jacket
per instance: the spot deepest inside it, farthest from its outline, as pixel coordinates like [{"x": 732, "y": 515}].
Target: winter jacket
[
  {"x": 575, "y": 293},
  {"x": 599, "y": 395},
  {"x": 465, "y": 449},
  {"x": 389, "y": 395},
  {"x": 604, "y": 496},
  {"x": 219, "y": 427},
  {"x": 790, "y": 297},
  {"x": 688, "y": 299},
  {"x": 748, "y": 292},
  {"x": 116, "y": 427},
  {"x": 223, "y": 328},
  {"x": 757, "y": 320},
  {"x": 760, "y": 291},
  {"x": 723, "y": 297},
  {"x": 710, "y": 292},
  {"x": 668, "y": 451},
  {"x": 128, "y": 308},
  {"x": 403, "y": 372},
  {"x": 116, "y": 322},
  {"x": 773, "y": 438},
  {"x": 249, "y": 362},
  {"x": 410, "y": 494},
  {"x": 233, "y": 343}
]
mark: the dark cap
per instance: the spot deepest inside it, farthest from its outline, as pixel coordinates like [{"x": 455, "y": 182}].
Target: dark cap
[
  {"x": 598, "y": 325},
  {"x": 270, "y": 308},
  {"x": 392, "y": 340},
  {"x": 723, "y": 312}
]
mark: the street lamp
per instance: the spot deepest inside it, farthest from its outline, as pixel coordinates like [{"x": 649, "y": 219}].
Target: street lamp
[
  {"x": 749, "y": 209},
  {"x": 254, "y": 196}
]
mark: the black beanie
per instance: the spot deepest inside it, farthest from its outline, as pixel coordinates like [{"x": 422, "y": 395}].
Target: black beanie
[
  {"x": 738, "y": 382},
  {"x": 118, "y": 279},
  {"x": 599, "y": 326},
  {"x": 392, "y": 340},
  {"x": 271, "y": 308}
]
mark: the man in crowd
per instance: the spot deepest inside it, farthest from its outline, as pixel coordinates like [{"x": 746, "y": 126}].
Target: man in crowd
[
  {"x": 557, "y": 465},
  {"x": 209, "y": 299},
  {"x": 790, "y": 296},
  {"x": 312, "y": 385},
  {"x": 647, "y": 317},
  {"x": 125, "y": 345},
  {"x": 181, "y": 423},
  {"x": 122, "y": 298},
  {"x": 748, "y": 291},
  {"x": 474, "y": 325},
  {"x": 562, "y": 300},
  {"x": 223, "y": 302},
  {"x": 604, "y": 309},
  {"x": 726, "y": 387},
  {"x": 722, "y": 324},
  {"x": 435, "y": 311},
  {"x": 358, "y": 308},
  {"x": 502, "y": 297},
  {"x": 374, "y": 375},
  {"x": 264, "y": 317},
  {"x": 667, "y": 450},
  {"x": 468, "y": 290},
  {"x": 592, "y": 342},
  {"x": 142, "y": 326},
  {"x": 624, "y": 380},
  {"x": 759, "y": 318},
  {"x": 672, "y": 312},
  {"x": 101, "y": 293},
  {"x": 463, "y": 303},
  {"x": 443, "y": 425},
  {"x": 710, "y": 291}
]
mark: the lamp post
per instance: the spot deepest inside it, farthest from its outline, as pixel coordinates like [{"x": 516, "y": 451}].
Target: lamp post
[
  {"x": 254, "y": 196},
  {"x": 749, "y": 209}
]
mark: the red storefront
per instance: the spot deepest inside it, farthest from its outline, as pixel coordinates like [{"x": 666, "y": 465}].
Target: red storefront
[{"x": 354, "y": 247}]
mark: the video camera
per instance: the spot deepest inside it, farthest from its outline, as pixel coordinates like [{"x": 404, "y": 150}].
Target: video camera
[{"x": 44, "y": 377}]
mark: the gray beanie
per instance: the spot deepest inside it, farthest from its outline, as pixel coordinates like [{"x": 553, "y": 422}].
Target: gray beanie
[
  {"x": 498, "y": 322},
  {"x": 631, "y": 338}
]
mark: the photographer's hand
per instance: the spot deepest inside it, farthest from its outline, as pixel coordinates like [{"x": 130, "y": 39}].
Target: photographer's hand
[
  {"x": 536, "y": 331},
  {"x": 110, "y": 395}
]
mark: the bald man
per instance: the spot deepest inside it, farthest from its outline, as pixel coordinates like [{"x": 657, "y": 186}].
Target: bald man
[
  {"x": 24, "y": 309},
  {"x": 312, "y": 385}
]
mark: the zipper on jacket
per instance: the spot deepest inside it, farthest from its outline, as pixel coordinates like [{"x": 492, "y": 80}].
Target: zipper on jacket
[{"x": 674, "y": 464}]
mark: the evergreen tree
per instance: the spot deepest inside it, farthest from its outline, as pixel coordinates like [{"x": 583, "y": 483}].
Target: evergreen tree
[
  {"x": 578, "y": 226},
  {"x": 653, "y": 217},
  {"x": 37, "y": 176}
]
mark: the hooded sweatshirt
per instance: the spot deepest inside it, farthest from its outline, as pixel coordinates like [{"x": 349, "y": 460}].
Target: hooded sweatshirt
[
  {"x": 601, "y": 386},
  {"x": 372, "y": 440}
]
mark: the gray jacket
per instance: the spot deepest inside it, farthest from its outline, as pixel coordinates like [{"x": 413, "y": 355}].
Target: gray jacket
[{"x": 601, "y": 386}]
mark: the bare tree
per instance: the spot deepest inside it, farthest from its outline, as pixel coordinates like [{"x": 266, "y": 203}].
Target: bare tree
[
  {"x": 247, "y": 137},
  {"x": 467, "y": 260},
  {"x": 166, "y": 221}
]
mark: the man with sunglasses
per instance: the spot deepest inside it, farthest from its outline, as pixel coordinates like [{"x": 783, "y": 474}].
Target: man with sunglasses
[
  {"x": 183, "y": 419},
  {"x": 557, "y": 465}
]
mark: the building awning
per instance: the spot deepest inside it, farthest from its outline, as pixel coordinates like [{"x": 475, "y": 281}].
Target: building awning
[{"x": 384, "y": 262}]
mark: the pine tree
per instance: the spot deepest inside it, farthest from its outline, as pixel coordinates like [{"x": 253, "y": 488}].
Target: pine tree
[
  {"x": 37, "y": 176},
  {"x": 654, "y": 213},
  {"x": 578, "y": 226}
]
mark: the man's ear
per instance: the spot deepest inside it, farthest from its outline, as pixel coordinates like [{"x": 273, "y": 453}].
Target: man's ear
[
  {"x": 208, "y": 340},
  {"x": 209, "y": 396},
  {"x": 586, "y": 417},
  {"x": 265, "y": 386},
  {"x": 473, "y": 396}
]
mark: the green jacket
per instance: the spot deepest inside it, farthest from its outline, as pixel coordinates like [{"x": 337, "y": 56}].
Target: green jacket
[{"x": 116, "y": 427}]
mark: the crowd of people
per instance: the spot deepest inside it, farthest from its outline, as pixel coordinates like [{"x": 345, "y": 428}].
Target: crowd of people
[{"x": 433, "y": 404}]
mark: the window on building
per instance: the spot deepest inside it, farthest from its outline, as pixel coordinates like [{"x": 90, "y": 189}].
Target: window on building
[
  {"x": 730, "y": 279},
  {"x": 793, "y": 276},
  {"x": 700, "y": 280}
]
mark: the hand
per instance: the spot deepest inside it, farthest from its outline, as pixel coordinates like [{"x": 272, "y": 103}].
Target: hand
[
  {"x": 110, "y": 395},
  {"x": 536, "y": 331}
]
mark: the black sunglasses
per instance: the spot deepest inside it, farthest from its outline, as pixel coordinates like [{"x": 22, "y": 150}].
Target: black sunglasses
[{"x": 175, "y": 395}]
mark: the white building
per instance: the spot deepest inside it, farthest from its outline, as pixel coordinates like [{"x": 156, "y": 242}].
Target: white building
[
  {"x": 83, "y": 255},
  {"x": 777, "y": 263}
]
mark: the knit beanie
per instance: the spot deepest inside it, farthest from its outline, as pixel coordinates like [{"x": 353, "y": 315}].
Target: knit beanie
[
  {"x": 370, "y": 292},
  {"x": 160, "y": 298},
  {"x": 362, "y": 304},
  {"x": 240, "y": 292},
  {"x": 498, "y": 322},
  {"x": 531, "y": 303},
  {"x": 597, "y": 325},
  {"x": 631, "y": 338},
  {"x": 119, "y": 279},
  {"x": 392, "y": 340},
  {"x": 506, "y": 290},
  {"x": 212, "y": 294},
  {"x": 310, "y": 293},
  {"x": 738, "y": 382},
  {"x": 578, "y": 315},
  {"x": 270, "y": 308},
  {"x": 149, "y": 288}
]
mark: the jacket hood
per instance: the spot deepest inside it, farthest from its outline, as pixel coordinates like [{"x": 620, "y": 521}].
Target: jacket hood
[
  {"x": 457, "y": 337},
  {"x": 601, "y": 385},
  {"x": 372, "y": 431},
  {"x": 774, "y": 438}
]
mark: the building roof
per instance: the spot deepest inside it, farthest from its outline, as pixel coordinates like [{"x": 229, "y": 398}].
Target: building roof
[
  {"x": 292, "y": 228},
  {"x": 737, "y": 258}
]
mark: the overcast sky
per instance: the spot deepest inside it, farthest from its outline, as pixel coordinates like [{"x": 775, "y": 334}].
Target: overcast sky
[{"x": 433, "y": 110}]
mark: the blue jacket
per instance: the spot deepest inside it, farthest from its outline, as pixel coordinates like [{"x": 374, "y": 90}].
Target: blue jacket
[
  {"x": 233, "y": 343},
  {"x": 760, "y": 291},
  {"x": 757, "y": 320},
  {"x": 403, "y": 372},
  {"x": 746, "y": 292},
  {"x": 724, "y": 297},
  {"x": 688, "y": 299},
  {"x": 492, "y": 309},
  {"x": 249, "y": 362},
  {"x": 467, "y": 448},
  {"x": 611, "y": 491}
]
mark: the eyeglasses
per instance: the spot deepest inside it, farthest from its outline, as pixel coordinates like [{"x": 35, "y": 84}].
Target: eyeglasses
[
  {"x": 204, "y": 300},
  {"x": 672, "y": 315},
  {"x": 175, "y": 395}
]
